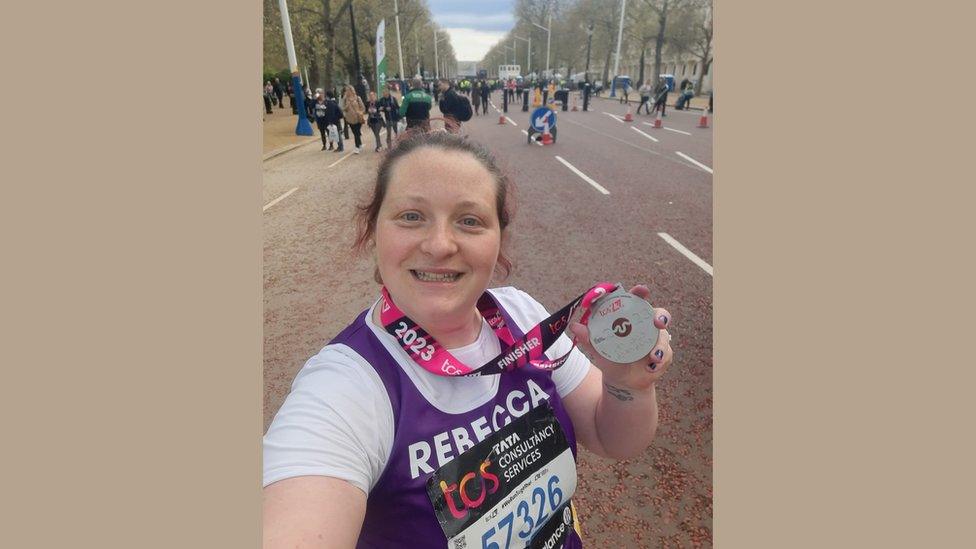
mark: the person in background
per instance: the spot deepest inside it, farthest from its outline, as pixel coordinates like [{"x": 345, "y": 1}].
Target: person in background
[
  {"x": 327, "y": 113},
  {"x": 268, "y": 92},
  {"x": 391, "y": 114},
  {"x": 485, "y": 96},
  {"x": 645, "y": 97},
  {"x": 476, "y": 97},
  {"x": 661, "y": 95},
  {"x": 374, "y": 118},
  {"x": 415, "y": 107},
  {"x": 279, "y": 92},
  {"x": 354, "y": 112}
]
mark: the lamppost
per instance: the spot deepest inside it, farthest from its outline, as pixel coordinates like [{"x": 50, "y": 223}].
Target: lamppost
[
  {"x": 513, "y": 53},
  {"x": 548, "y": 40},
  {"x": 396, "y": 16},
  {"x": 616, "y": 61},
  {"x": 528, "y": 57},
  {"x": 303, "y": 127},
  {"x": 437, "y": 73}
]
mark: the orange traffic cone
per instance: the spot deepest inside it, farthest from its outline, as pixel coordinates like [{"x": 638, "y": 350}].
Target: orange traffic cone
[
  {"x": 657, "y": 121},
  {"x": 501, "y": 119},
  {"x": 628, "y": 117},
  {"x": 546, "y": 136},
  {"x": 703, "y": 121}
]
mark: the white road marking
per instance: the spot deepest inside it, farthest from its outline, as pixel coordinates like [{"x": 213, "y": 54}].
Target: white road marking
[
  {"x": 676, "y": 131},
  {"x": 348, "y": 154},
  {"x": 687, "y": 253},
  {"x": 539, "y": 143},
  {"x": 652, "y": 138},
  {"x": 596, "y": 185},
  {"x": 279, "y": 199},
  {"x": 615, "y": 117},
  {"x": 511, "y": 122},
  {"x": 693, "y": 161}
]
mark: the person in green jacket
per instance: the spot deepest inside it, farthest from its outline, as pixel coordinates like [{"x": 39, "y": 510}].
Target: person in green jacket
[{"x": 415, "y": 106}]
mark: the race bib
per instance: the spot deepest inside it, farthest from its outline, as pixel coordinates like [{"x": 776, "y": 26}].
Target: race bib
[{"x": 512, "y": 490}]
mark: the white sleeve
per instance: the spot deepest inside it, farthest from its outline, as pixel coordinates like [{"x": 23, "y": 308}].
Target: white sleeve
[
  {"x": 527, "y": 312},
  {"x": 337, "y": 421}
]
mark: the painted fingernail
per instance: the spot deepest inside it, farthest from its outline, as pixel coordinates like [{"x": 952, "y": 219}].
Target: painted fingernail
[
  {"x": 658, "y": 353},
  {"x": 663, "y": 319}
]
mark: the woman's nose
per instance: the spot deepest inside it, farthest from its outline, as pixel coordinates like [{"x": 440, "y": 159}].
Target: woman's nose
[{"x": 439, "y": 241}]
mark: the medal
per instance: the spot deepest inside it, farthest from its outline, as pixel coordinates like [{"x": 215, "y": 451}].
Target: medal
[{"x": 622, "y": 327}]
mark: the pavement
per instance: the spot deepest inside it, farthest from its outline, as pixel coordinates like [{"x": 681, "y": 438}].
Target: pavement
[{"x": 652, "y": 225}]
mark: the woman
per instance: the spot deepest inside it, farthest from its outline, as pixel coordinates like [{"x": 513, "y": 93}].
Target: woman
[
  {"x": 374, "y": 118},
  {"x": 391, "y": 113},
  {"x": 354, "y": 113},
  {"x": 379, "y": 444},
  {"x": 327, "y": 114},
  {"x": 645, "y": 98}
]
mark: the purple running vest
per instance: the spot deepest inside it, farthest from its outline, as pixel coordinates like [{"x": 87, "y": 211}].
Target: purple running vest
[{"x": 399, "y": 512}]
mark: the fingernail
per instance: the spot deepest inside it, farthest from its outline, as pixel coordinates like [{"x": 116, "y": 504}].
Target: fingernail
[
  {"x": 658, "y": 353},
  {"x": 663, "y": 319}
]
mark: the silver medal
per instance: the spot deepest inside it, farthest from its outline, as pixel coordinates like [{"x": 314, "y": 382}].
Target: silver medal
[{"x": 622, "y": 327}]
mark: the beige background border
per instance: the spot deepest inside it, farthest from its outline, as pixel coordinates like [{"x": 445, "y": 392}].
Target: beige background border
[{"x": 132, "y": 275}]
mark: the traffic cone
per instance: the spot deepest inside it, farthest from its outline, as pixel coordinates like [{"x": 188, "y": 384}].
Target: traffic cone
[
  {"x": 628, "y": 117},
  {"x": 703, "y": 121},
  {"x": 657, "y": 121},
  {"x": 546, "y": 136},
  {"x": 501, "y": 119}
]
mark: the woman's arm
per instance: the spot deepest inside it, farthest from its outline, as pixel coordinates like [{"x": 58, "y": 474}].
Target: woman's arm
[
  {"x": 614, "y": 409},
  {"x": 312, "y": 512}
]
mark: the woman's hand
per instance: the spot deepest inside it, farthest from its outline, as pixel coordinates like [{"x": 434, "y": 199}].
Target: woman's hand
[{"x": 642, "y": 374}]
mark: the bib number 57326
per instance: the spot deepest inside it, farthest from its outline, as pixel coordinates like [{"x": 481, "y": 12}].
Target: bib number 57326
[{"x": 533, "y": 515}]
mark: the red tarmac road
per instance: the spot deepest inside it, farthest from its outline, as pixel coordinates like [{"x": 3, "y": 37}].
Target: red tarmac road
[{"x": 566, "y": 235}]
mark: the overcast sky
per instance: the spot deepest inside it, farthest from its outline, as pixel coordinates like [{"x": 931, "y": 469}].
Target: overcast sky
[{"x": 474, "y": 25}]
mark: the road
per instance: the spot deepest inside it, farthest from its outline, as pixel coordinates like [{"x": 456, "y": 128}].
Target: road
[{"x": 654, "y": 226}]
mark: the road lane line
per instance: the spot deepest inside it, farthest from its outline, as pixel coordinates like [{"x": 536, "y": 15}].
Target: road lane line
[
  {"x": 652, "y": 138},
  {"x": 687, "y": 253},
  {"x": 583, "y": 175},
  {"x": 511, "y": 122},
  {"x": 693, "y": 161},
  {"x": 534, "y": 140},
  {"x": 279, "y": 199},
  {"x": 615, "y": 117},
  {"x": 673, "y": 130},
  {"x": 348, "y": 154}
]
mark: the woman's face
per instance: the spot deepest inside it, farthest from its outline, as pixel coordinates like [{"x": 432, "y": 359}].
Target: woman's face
[
  {"x": 438, "y": 236},
  {"x": 372, "y": 96}
]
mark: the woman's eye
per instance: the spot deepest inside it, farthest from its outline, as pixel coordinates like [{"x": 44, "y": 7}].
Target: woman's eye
[
  {"x": 410, "y": 216},
  {"x": 470, "y": 222}
]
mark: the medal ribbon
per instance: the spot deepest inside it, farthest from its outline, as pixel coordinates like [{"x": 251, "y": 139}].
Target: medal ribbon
[{"x": 527, "y": 350}]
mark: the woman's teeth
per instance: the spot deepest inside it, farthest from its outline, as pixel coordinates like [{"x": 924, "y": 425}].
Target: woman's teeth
[{"x": 434, "y": 277}]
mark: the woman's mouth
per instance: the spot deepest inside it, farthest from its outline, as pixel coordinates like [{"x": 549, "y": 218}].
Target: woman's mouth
[{"x": 427, "y": 276}]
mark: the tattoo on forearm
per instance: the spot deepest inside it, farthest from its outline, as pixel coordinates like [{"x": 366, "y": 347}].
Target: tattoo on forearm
[{"x": 618, "y": 393}]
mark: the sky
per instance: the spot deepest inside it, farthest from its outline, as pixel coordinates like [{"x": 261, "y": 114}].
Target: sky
[{"x": 474, "y": 25}]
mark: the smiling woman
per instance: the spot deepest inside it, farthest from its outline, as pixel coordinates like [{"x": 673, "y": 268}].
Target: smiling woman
[{"x": 448, "y": 414}]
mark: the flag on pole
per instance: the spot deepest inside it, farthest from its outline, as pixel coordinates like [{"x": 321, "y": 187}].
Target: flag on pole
[{"x": 380, "y": 56}]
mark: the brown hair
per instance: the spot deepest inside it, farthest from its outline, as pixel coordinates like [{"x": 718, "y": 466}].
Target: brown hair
[{"x": 412, "y": 140}]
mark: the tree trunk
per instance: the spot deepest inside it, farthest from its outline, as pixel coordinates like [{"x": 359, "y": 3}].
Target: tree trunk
[
  {"x": 659, "y": 41},
  {"x": 640, "y": 77},
  {"x": 606, "y": 65},
  {"x": 330, "y": 33}
]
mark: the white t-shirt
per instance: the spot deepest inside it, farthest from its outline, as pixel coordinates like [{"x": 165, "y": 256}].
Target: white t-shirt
[{"x": 338, "y": 421}]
